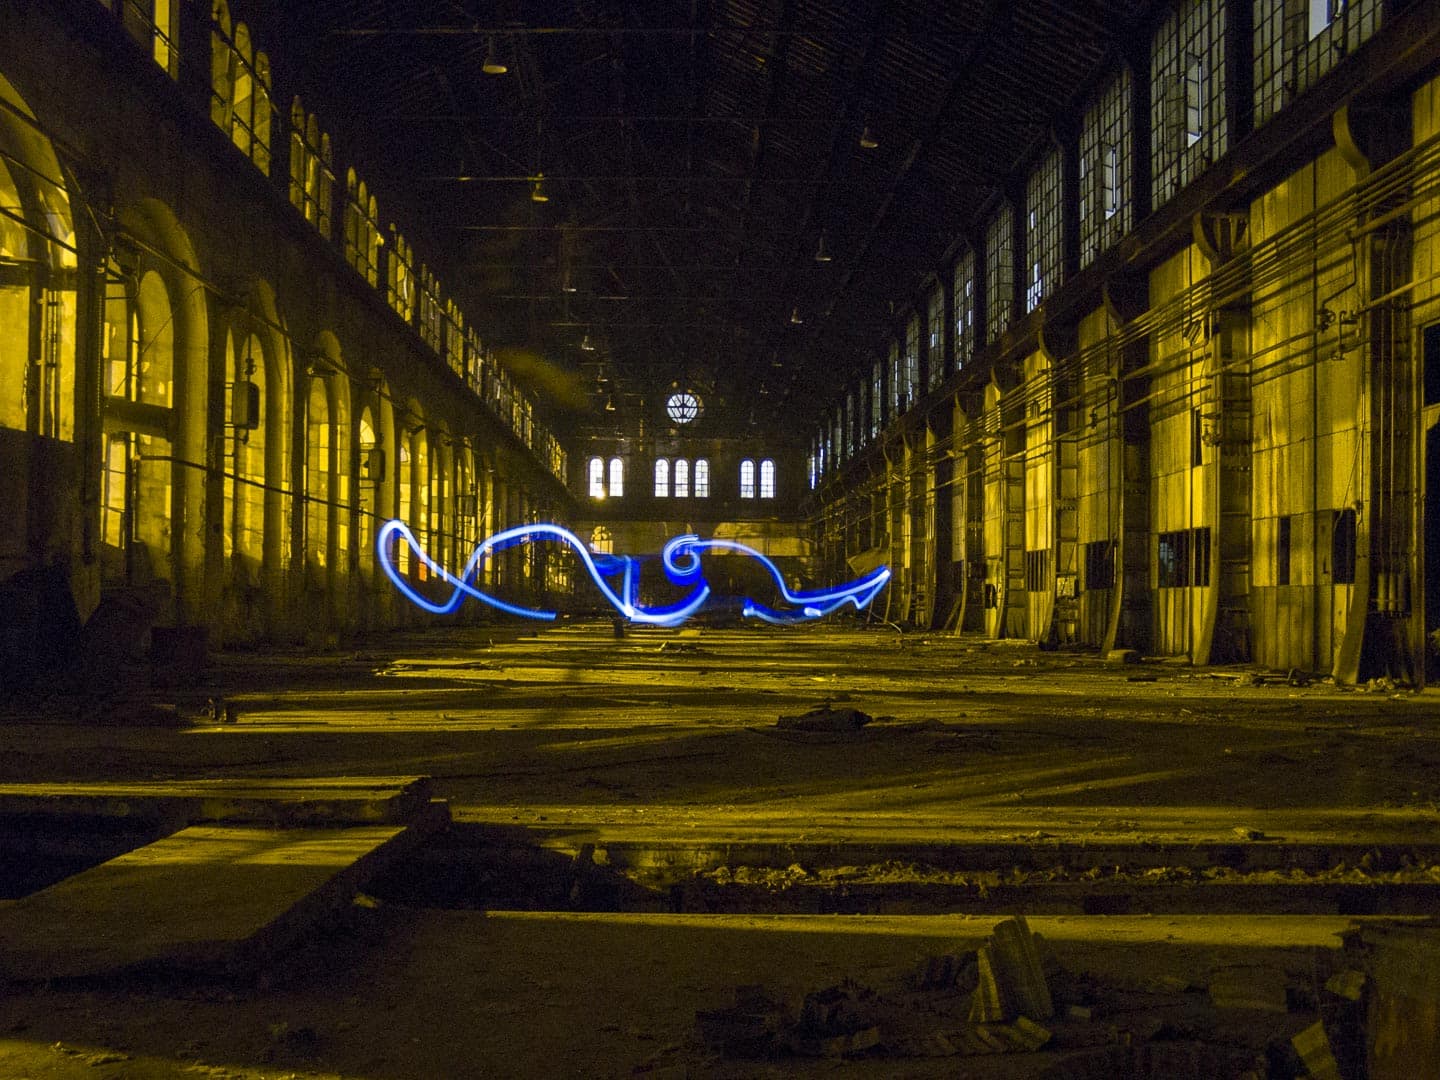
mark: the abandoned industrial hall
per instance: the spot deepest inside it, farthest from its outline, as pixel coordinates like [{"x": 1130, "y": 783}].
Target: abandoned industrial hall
[{"x": 719, "y": 538}]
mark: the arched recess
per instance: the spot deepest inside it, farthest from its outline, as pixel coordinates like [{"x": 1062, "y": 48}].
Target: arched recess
[
  {"x": 376, "y": 487},
  {"x": 442, "y": 496},
  {"x": 40, "y": 483},
  {"x": 465, "y": 503},
  {"x": 257, "y": 501},
  {"x": 155, "y": 390},
  {"x": 327, "y": 519},
  {"x": 485, "y": 513},
  {"x": 415, "y": 486}
]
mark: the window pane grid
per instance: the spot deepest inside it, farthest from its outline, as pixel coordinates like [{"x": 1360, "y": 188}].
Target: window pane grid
[
  {"x": 767, "y": 479},
  {"x": 1298, "y": 41},
  {"x": 747, "y": 479},
  {"x": 912, "y": 361},
  {"x": 1043, "y": 237},
  {"x": 935, "y": 340},
  {"x": 1105, "y": 154},
  {"x": 999, "y": 272},
  {"x": 965, "y": 309},
  {"x": 1187, "y": 108}
]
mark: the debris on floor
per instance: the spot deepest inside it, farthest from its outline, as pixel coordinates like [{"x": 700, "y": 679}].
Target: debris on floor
[
  {"x": 825, "y": 718},
  {"x": 1010, "y": 996}
]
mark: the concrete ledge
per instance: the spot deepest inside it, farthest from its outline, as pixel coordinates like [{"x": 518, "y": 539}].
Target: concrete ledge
[
  {"x": 226, "y": 900},
  {"x": 306, "y": 801}
]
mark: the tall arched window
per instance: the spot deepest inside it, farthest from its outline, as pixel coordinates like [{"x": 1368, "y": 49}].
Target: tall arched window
[
  {"x": 767, "y": 479},
  {"x": 597, "y": 478},
  {"x": 246, "y": 536},
  {"x": 362, "y": 229},
  {"x": 662, "y": 478},
  {"x": 312, "y": 168},
  {"x": 747, "y": 479},
  {"x": 404, "y": 555},
  {"x": 429, "y": 308},
  {"x": 454, "y": 324},
  {"x": 617, "y": 478},
  {"x": 155, "y": 25},
  {"x": 368, "y": 491},
  {"x": 239, "y": 88},
  {"x": 702, "y": 479},
  {"x": 682, "y": 479},
  {"x": 600, "y": 540},
  {"x": 318, "y": 466},
  {"x": 400, "y": 275},
  {"x": 37, "y": 283}
]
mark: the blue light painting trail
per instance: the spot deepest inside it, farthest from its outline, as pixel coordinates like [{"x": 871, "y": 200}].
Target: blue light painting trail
[{"x": 680, "y": 558}]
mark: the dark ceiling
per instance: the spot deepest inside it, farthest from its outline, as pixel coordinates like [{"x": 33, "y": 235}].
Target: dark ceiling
[{"x": 695, "y": 154}]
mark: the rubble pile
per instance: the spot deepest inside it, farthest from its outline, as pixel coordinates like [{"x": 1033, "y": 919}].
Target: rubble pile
[{"x": 1010, "y": 996}]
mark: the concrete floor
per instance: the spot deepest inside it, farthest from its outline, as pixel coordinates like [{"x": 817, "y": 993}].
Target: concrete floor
[{"x": 664, "y": 741}]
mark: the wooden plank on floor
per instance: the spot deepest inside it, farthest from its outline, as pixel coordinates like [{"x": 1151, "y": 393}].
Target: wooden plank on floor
[
  {"x": 294, "y": 802},
  {"x": 220, "y": 899}
]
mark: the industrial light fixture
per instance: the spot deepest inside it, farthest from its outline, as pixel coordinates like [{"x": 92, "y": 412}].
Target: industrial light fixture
[
  {"x": 492, "y": 65},
  {"x": 610, "y": 403},
  {"x": 867, "y": 140},
  {"x": 586, "y": 343},
  {"x": 537, "y": 189},
  {"x": 821, "y": 255},
  {"x": 795, "y": 319}
]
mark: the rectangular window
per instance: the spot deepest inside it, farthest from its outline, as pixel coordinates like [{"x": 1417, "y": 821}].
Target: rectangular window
[
  {"x": 1197, "y": 438},
  {"x": 935, "y": 350},
  {"x": 1105, "y": 149},
  {"x": 1343, "y": 548},
  {"x": 1187, "y": 100},
  {"x": 1037, "y": 570},
  {"x": 1430, "y": 360},
  {"x": 1174, "y": 560},
  {"x": 1044, "y": 238},
  {"x": 1200, "y": 547},
  {"x": 964, "y": 309},
  {"x": 999, "y": 273},
  {"x": 1195, "y": 99},
  {"x": 1282, "y": 551},
  {"x": 1295, "y": 42},
  {"x": 1100, "y": 564}
]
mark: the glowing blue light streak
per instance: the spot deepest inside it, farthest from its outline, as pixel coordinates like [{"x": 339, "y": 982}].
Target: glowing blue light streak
[{"x": 681, "y": 559}]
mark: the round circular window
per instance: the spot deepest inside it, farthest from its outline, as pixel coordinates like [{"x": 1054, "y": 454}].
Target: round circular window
[{"x": 682, "y": 407}]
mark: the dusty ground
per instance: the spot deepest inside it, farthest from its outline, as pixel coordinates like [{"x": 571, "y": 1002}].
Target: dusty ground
[{"x": 668, "y": 737}]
